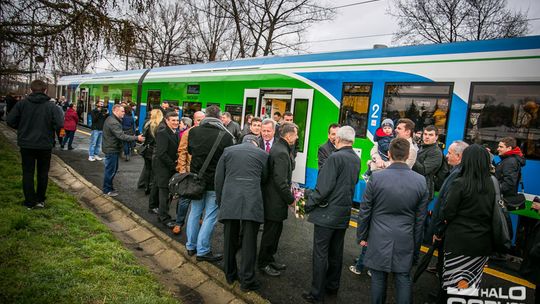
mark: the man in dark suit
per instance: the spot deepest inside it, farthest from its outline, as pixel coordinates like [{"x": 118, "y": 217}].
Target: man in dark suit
[
  {"x": 390, "y": 223},
  {"x": 164, "y": 164},
  {"x": 240, "y": 172},
  {"x": 329, "y": 147},
  {"x": 231, "y": 125},
  {"x": 277, "y": 197},
  {"x": 267, "y": 139},
  {"x": 329, "y": 208}
]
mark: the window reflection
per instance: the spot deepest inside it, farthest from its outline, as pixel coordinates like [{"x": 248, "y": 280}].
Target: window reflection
[
  {"x": 354, "y": 107},
  {"x": 424, "y": 104},
  {"x": 499, "y": 110}
]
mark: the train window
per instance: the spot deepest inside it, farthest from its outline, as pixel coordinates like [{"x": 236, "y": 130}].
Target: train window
[
  {"x": 235, "y": 111},
  {"x": 423, "y": 103},
  {"x": 189, "y": 108},
  {"x": 193, "y": 89},
  {"x": 354, "y": 107},
  {"x": 126, "y": 96},
  {"x": 105, "y": 89},
  {"x": 300, "y": 119},
  {"x": 498, "y": 110},
  {"x": 154, "y": 99}
]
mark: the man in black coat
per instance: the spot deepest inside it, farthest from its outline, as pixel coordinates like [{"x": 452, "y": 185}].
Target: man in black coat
[
  {"x": 429, "y": 157},
  {"x": 232, "y": 126},
  {"x": 164, "y": 164},
  {"x": 240, "y": 172},
  {"x": 329, "y": 147},
  {"x": 508, "y": 170},
  {"x": 329, "y": 208},
  {"x": 200, "y": 142},
  {"x": 277, "y": 198},
  {"x": 36, "y": 118},
  {"x": 390, "y": 220}
]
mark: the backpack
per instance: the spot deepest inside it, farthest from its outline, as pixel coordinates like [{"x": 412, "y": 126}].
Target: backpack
[{"x": 441, "y": 174}]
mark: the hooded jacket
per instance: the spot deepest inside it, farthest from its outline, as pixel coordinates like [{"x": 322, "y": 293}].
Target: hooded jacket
[
  {"x": 508, "y": 171},
  {"x": 36, "y": 118}
]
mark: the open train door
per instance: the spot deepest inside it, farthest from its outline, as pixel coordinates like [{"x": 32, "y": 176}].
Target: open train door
[
  {"x": 301, "y": 107},
  {"x": 251, "y": 104}
]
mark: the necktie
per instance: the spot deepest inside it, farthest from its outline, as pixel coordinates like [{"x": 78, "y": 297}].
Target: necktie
[{"x": 268, "y": 146}]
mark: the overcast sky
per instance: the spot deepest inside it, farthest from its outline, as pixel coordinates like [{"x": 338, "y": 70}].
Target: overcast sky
[{"x": 372, "y": 19}]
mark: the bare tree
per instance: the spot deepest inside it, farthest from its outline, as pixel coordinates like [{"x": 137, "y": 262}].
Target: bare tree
[{"x": 439, "y": 21}]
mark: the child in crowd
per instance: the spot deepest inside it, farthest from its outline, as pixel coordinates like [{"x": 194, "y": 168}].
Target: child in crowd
[{"x": 383, "y": 137}]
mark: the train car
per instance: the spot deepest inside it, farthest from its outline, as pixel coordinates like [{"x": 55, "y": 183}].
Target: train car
[{"x": 476, "y": 91}]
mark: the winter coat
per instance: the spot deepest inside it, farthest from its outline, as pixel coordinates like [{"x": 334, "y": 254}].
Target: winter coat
[
  {"x": 508, "y": 171},
  {"x": 98, "y": 119},
  {"x": 184, "y": 158},
  {"x": 128, "y": 124},
  {"x": 468, "y": 218},
  {"x": 383, "y": 143},
  {"x": 437, "y": 225},
  {"x": 36, "y": 119},
  {"x": 277, "y": 193},
  {"x": 164, "y": 158},
  {"x": 240, "y": 173},
  {"x": 113, "y": 135},
  {"x": 335, "y": 187},
  {"x": 234, "y": 129},
  {"x": 70, "y": 120},
  {"x": 391, "y": 218},
  {"x": 200, "y": 142},
  {"x": 428, "y": 162},
  {"x": 149, "y": 141},
  {"x": 324, "y": 152},
  {"x": 530, "y": 267}
]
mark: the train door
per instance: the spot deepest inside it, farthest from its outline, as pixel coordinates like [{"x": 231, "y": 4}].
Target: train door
[
  {"x": 84, "y": 106},
  {"x": 264, "y": 103}
]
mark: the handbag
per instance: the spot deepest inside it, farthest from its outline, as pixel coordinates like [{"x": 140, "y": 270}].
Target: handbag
[
  {"x": 514, "y": 202},
  {"x": 192, "y": 185},
  {"x": 499, "y": 226}
]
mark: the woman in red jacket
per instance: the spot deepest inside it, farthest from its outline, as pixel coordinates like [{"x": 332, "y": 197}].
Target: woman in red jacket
[{"x": 70, "y": 125}]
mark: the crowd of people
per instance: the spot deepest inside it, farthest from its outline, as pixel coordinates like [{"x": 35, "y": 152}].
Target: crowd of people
[{"x": 247, "y": 178}]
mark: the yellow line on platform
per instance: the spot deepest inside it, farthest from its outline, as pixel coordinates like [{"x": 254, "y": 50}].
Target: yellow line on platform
[
  {"x": 490, "y": 271},
  {"x": 83, "y": 132}
]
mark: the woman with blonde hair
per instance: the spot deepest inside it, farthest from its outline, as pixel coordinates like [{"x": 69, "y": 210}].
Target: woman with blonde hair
[{"x": 147, "y": 149}]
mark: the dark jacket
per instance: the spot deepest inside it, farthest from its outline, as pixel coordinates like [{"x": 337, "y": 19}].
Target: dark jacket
[
  {"x": 200, "y": 142},
  {"x": 128, "y": 124},
  {"x": 335, "y": 187},
  {"x": 149, "y": 142},
  {"x": 391, "y": 217},
  {"x": 234, "y": 128},
  {"x": 437, "y": 225},
  {"x": 98, "y": 118},
  {"x": 71, "y": 119},
  {"x": 164, "y": 159},
  {"x": 508, "y": 173},
  {"x": 240, "y": 173},
  {"x": 277, "y": 190},
  {"x": 383, "y": 143},
  {"x": 428, "y": 162},
  {"x": 468, "y": 218},
  {"x": 10, "y": 103},
  {"x": 113, "y": 135},
  {"x": 36, "y": 118},
  {"x": 324, "y": 152},
  {"x": 530, "y": 267}
]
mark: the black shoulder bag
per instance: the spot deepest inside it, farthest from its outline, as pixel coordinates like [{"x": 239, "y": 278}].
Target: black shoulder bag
[
  {"x": 499, "y": 227},
  {"x": 191, "y": 185},
  {"x": 515, "y": 202}
]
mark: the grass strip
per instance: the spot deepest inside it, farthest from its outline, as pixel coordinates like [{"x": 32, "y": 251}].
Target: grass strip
[{"x": 63, "y": 253}]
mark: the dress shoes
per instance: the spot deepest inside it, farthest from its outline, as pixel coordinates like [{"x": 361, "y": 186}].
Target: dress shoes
[
  {"x": 268, "y": 270},
  {"x": 210, "y": 257},
  {"x": 278, "y": 266},
  {"x": 308, "y": 297},
  {"x": 251, "y": 287},
  {"x": 191, "y": 252}
]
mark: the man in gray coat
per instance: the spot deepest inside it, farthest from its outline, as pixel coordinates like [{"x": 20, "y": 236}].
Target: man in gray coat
[
  {"x": 390, "y": 223},
  {"x": 239, "y": 174},
  {"x": 113, "y": 136},
  {"x": 329, "y": 208}
]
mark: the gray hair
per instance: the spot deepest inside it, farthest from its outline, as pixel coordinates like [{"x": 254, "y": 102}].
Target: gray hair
[
  {"x": 116, "y": 106},
  {"x": 251, "y": 138},
  {"x": 187, "y": 121},
  {"x": 269, "y": 121},
  {"x": 459, "y": 146},
  {"x": 346, "y": 134},
  {"x": 287, "y": 128}
]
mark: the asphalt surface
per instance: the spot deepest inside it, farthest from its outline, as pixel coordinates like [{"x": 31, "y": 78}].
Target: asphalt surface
[{"x": 295, "y": 248}]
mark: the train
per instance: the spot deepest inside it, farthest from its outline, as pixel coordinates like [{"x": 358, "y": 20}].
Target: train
[{"x": 476, "y": 91}]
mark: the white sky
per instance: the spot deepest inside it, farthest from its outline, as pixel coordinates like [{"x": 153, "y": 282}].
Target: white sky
[
  {"x": 372, "y": 19},
  {"x": 361, "y": 20}
]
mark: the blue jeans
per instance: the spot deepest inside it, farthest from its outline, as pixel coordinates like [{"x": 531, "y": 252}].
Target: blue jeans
[
  {"x": 360, "y": 262},
  {"x": 111, "y": 166},
  {"x": 127, "y": 145},
  {"x": 181, "y": 211},
  {"x": 402, "y": 282},
  {"x": 200, "y": 237},
  {"x": 95, "y": 142}
]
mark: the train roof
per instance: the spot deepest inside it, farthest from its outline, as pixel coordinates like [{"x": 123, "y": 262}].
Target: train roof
[{"x": 508, "y": 44}]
